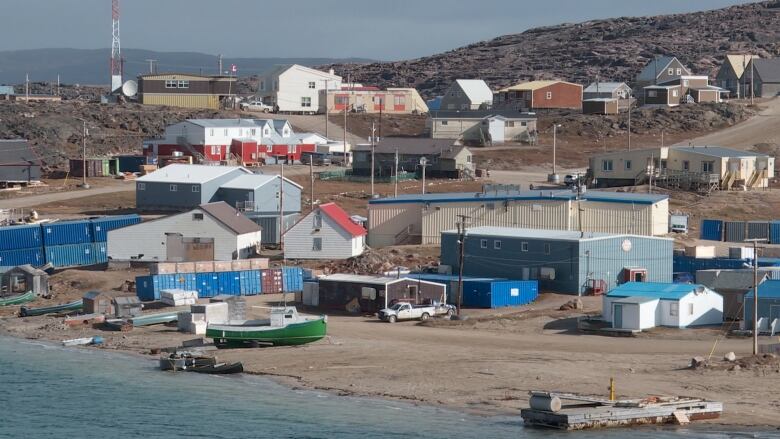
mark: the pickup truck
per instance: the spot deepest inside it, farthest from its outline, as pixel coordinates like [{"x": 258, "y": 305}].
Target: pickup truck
[
  {"x": 256, "y": 106},
  {"x": 407, "y": 311}
]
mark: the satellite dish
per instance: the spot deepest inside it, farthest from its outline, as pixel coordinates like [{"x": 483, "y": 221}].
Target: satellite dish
[
  {"x": 130, "y": 88},
  {"x": 423, "y": 161}
]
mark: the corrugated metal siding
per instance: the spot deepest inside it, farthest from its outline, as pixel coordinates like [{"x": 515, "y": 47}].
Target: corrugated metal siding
[
  {"x": 758, "y": 230},
  {"x": 176, "y": 100},
  {"x": 774, "y": 232},
  {"x": 67, "y": 232},
  {"x": 32, "y": 256},
  {"x": 734, "y": 231},
  {"x": 270, "y": 225},
  {"x": 690, "y": 264},
  {"x": 292, "y": 279},
  {"x": 513, "y": 293},
  {"x": 208, "y": 284},
  {"x": 607, "y": 259},
  {"x": 272, "y": 280},
  {"x": 100, "y": 250},
  {"x": 20, "y": 237},
  {"x": 250, "y": 282},
  {"x": 229, "y": 283},
  {"x": 101, "y": 226},
  {"x": 712, "y": 230},
  {"x": 70, "y": 255},
  {"x": 386, "y": 221}
]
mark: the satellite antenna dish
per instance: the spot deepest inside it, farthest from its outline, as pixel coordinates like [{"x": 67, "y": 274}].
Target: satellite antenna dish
[
  {"x": 130, "y": 88},
  {"x": 423, "y": 161}
]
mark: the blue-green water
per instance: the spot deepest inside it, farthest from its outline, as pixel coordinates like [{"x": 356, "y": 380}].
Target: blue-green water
[{"x": 51, "y": 391}]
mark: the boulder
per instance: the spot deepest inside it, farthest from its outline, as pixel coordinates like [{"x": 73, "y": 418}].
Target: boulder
[
  {"x": 698, "y": 362},
  {"x": 730, "y": 357}
]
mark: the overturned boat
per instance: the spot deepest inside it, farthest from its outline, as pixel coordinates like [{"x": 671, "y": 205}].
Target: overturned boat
[{"x": 285, "y": 328}]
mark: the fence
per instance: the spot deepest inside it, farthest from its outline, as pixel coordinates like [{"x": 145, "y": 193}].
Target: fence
[{"x": 346, "y": 175}]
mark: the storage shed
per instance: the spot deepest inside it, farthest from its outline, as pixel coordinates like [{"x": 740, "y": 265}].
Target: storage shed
[
  {"x": 20, "y": 163},
  {"x": 127, "y": 306},
  {"x": 96, "y": 302},
  {"x": 562, "y": 261},
  {"x": 24, "y": 278},
  {"x": 768, "y": 306},
  {"x": 672, "y": 305},
  {"x": 369, "y": 294},
  {"x": 485, "y": 292}
]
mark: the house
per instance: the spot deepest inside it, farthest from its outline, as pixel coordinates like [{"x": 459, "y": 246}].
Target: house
[
  {"x": 600, "y": 106},
  {"x": 562, "y": 261},
  {"x": 24, "y": 278},
  {"x": 644, "y": 305},
  {"x": 686, "y": 89},
  {"x": 535, "y": 95},
  {"x": 186, "y": 90},
  {"x": 482, "y": 127},
  {"x": 607, "y": 90},
  {"x": 660, "y": 69},
  {"x": 209, "y": 232},
  {"x": 327, "y": 232},
  {"x": 374, "y": 100},
  {"x": 768, "y": 306},
  {"x": 420, "y": 218},
  {"x": 20, "y": 163},
  {"x": 732, "y": 285},
  {"x": 766, "y": 77},
  {"x": 294, "y": 88},
  {"x": 690, "y": 167},
  {"x": 662, "y": 95},
  {"x": 6, "y": 91},
  {"x": 179, "y": 187},
  {"x": 444, "y": 158},
  {"x": 369, "y": 294},
  {"x": 731, "y": 75},
  {"x": 467, "y": 94}
]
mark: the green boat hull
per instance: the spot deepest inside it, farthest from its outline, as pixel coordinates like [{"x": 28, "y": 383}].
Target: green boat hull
[
  {"x": 226, "y": 336},
  {"x": 17, "y": 300},
  {"x": 77, "y": 305}
]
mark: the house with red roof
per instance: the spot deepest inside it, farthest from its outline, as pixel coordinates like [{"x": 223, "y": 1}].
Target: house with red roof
[{"x": 327, "y": 232}]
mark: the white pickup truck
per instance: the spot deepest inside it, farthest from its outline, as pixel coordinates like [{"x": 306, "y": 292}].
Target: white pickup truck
[{"x": 407, "y": 311}]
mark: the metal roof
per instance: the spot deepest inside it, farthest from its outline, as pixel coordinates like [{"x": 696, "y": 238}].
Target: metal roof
[
  {"x": 6, "y": 89},
  {"x": 738, "y": 63},
  {"x": 657, "y": 290},
  {"x": 232, "y": 123},
  {"x": 740, "y": 279},
  {"x": 534, "y": 85},
  {"x": 768, "y": 69},
  {"x": 360, "y": 278},
  {"x": 769, "y": 289},
  {"x": 600, "y": 100},
  {"x": 481, "y": 114},
  {"x": 413, "y": 145},
  {"x": 636, "y": 300},
  {"x": 230, "y": 217},
  {"x": 563, "y": 194},
  {"x": 436, "y": 277},
  {"x": 517, "y": 232},
  {"x": 476, "y": 90},
  {"x": 604, "y": 87},
  {"x": 341, "y": 217},
  {"x": 717, "y": 151},
  {"x": 656, "y": 66},
  {"x": 181, "y": 173},
  {"x": 254, "y": 181}
]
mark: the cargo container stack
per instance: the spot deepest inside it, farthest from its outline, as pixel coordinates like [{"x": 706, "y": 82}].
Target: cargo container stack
[
  {"x": 76, "y": 243},
  {"x": 20, "y": 245}
]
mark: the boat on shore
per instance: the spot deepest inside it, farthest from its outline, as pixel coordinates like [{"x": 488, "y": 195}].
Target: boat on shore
[
  {"x": 154, "y": 319},
  {"x": 76, "y": 305},
  {"x": 18, "y": 299},
  {"x": 185, "y": 361},
  {"x": 85, "y": 341},
  {"x": 285, "y": 328},
  {"x": 220, "y": 368}
]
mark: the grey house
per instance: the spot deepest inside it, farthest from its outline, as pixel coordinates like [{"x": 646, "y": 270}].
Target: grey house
[
  {"x": 259, "y": 193},
  {"x": 766, "y": 81},
  {"x": 18, "y": 163},
  {"x": 445, "y": 159},
  {"x": 732, "y": 285},
  {"x": 659, "y": 70},
  {"x": 467, "y": 94},
  {"x": 607, "y": 90},
  {"x": 182, "y": 187},
  {"x": 563, "y": 261},
  {"x": 731, "y": 75}
]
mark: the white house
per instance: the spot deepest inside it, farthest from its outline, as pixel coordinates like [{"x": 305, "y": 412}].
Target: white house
[
  {"x": 644, "y": 305},
  {"x": 467, "y": 94},
  {"x": 327, "y": 232},
  {"x": 296, "y": 89},
  {"x": 213, "y": 231}
]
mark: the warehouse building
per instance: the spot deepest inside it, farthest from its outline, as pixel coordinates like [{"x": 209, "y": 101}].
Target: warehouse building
[
  {"x": 562, "y": 261},
  {"x": 444, "y": 158},
  {"x": 186, "y": 90},
  {"x": 179, "y": 187},
  {"x": 420, "y": 219},
  {"x": 213, "y": 231}
]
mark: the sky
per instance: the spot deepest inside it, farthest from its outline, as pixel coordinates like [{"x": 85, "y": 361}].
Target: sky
[{"x": 375, "y": 29}]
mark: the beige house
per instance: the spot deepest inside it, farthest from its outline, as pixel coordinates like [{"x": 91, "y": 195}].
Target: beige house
[
  {"x": 692, "y": 167},
  {"x": 374, "y": 100},
  {"x": 483, "y": 127}
]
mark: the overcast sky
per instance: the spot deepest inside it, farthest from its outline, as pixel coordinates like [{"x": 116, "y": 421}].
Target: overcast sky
[{"x": 378, "y": 29}]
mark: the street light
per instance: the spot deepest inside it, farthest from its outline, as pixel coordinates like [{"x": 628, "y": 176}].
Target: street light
[{"x": 554, "y": 178}]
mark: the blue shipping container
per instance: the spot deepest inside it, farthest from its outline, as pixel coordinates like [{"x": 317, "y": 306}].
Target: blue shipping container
[
  {"x": 101, "y": 226},
  {"x": 145, "y": 288},
  {"x": 292, "y": 279},
  {"x": 711, "y": 230},
  {"x": 67, "y": 232},
  {"x": 512, "y": 293},
  {"x": 186, "y": 281},
  {"x": 774, "y": 232},
  {"x": 20, "y": 237},
  {"x": 250, "y": 282},
  {"x": 208, "y": 284},
  {"x": 132, "y": 163},
  {"x": 229, "y": 283},
  {"x": 690, "y": 264},
  {"x": 149, "y": 287},
  {"x": 100, "y": 250},
  {"x": 70, "y": 255},
  {"x": 32, "y": 256}
]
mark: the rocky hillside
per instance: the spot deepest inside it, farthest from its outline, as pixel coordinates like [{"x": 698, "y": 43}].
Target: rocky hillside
[{"x": 611, "y": 49}]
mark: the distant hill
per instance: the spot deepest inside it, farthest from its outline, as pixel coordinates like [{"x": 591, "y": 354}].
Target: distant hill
[
  {"x": 82, "y": 66},
  {"x": 610, "y": 49}
]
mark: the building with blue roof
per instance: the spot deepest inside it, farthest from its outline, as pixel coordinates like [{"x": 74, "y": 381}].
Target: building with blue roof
[
  {"x": 6, "y": 91},
  {"x": 644, "y": 305},
  {"x": 768, "y": 306},
  {"x": 420, "y": 218}
]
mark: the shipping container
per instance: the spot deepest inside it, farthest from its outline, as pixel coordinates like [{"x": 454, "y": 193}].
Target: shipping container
[
  {"x": 692, "y": 265},
  {"x": 711, "y": 230},
  {"x": 204, "y": 267},
  {"x": 148, "y": 288},
  {"x": 162, "y": 268},
  {"x": 67, "y": 232},
  {"x": 741, "y": 253},
  {"x": 223, "y": 266},
  {"x": 186, "y": 281},
  {"x": 511, "y": 293},
  {"x": 735, "y": 231},
  {"x": 272, "y": 280},
  {"x": 32, "y": 256},
  {"x": 100, "y": 250},
  {"x": 101, "y": 226},
  {"x": 132, "y": 163},
  {"x": 258, "y": 263},
  {"x": 185, "y": 267},
  {"x": 70, "y": 255},
  {"x": 250, "y": 282},
  {"x": 20, "y": 237},
  {"x": 774, "y": 232},
  {"x": 292, "y": 279},
  {"x": 229, "y": 283},
  {"x": 96, "y": 167},
  {"x": 208, "y": 284},
  {"x": 758, "y": 230}
]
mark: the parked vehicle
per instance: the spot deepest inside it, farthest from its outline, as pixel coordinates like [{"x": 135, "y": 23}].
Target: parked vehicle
[
  {"x": 256, "y": 106},
  {"x": 315, "y": 158},
  {"x": 407, "y": 311}
]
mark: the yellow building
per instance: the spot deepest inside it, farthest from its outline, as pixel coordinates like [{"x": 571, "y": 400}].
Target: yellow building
[{"x": 186, "y": 90}]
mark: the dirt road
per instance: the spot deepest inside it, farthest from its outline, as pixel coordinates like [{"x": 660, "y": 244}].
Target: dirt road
[
  {"x": 761, "y": 128},
  {"x": 36, "y": 200}
]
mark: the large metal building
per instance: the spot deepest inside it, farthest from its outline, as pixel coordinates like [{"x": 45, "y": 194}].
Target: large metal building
[
  {"x": 181, "y": 187},
  {"x": 562, "y": 261},
  {"x": 412, "y": 219}
]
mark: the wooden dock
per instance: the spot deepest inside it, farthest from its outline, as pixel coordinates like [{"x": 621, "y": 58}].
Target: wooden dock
[{"x": 584, "y": 412}]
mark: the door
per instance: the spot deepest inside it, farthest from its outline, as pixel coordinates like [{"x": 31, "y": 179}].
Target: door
[
  {"x": 617, "y": 315},
  {"x": 413, "y": 294},
  {"x": 405, "y": 312},
  {"x": 174, "y": 247}
]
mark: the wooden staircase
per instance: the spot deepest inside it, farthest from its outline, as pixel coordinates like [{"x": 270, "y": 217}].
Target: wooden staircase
[{"x": 728, "y": 180}]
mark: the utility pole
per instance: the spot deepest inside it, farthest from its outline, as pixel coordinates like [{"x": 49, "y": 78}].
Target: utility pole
[
  {"x": 219, "y": 64},
  {"x": 423, "y": 164},
  {"x": 553, "y": 178},
  {"x": 395, "y": 167},
  {"x": 151, "y": 64},
  {"x": 58, "y": 84},
  {"x": 461, "y": 244},
  {"x": 84, "y": 155},
  {"x": 580, "y": 190},
  {"x": 311, "y": 177},
  {"x": 662, "y": 138},
  {"x": 327, "y": 110},
  {"x": 755, "y": 291},
  {"x": 346, "y": 108},
  {"x": 373, "y": 130},
  {"x": 27, "y": 88},
  {"x": 752, "y": 73},
  {"x": 281, "y": 206},
  {"x": 629, "y": 125}
]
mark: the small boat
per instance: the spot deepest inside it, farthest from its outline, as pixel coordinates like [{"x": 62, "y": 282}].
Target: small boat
[
  {"x": 285, "y": 328},
  {"x": 18, "y": 299},
  {"x": 220, "y": 368},
  {"x": 155, "y": 319},
  {"x": 76, "y": 305},
  {"x": 83, "y": 341},
  {"x": 185, "y": 361}
]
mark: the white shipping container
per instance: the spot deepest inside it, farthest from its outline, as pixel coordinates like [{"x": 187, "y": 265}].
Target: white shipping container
[
  {"x": 741, "y": 253},
  {"x": 701, "y": 251}
]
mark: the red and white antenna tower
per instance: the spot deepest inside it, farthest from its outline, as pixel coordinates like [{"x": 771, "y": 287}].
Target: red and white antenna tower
[{"x": 116, "y": 55}]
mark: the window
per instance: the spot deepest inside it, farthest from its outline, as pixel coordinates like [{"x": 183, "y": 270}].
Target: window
[
  {"x": 607, "y": 165},
  {"x": 317, "y": 221},
  {"x": 184, "y": 84},
  {"x": 177, "y": 84},
  {"x": 674, "y": 309},
  {"x": 444, "y": 122},
  {"x": 141, "y": 186},
  {"x": 341, "y": 100},
  {"x": 195, "y": 188},
  {"x": 266, "y": 132},
  {"x": 215, "y": 149},
  {"x": 670, "y": 72},
  {"x": 549, "y": 95},
  {"x": 211, "y": 132},
  {"x": 252, "y": 132},
  {"x": 679, "y": 71},
  {"x": 316, "y": 244},
  {"x": 685, "y": 82},
  {"x": 690, "y": 309},
  {"x": 707, "y": 166},
  {"x": 523, "y": 246},
  {"x": 652, "y": 94},
  {"x": 399, "y": 100},
  {"x": 686, "y": 165},
  {"x": 483, "y": 243},
  {"x": 468, "y": 159},
  {"x": 497, "y": 245},
  {"x": 547, "y": 248},
  {"x": 510, "y": 124},
  {"x": 523, "y": 124},
  {"x": 197, "y": 217},
  {"x": 368, "y": 293},
  {"x": 262, "y": 85},
  {"x": 174, "y": 188},
  {"x": 675, "y": 93},
  {"x": 628, "y": 165},
  {"x": 305, "y": 101},
  {"x": 312, "y": 84},
  {"x": 225, "y": 132}
]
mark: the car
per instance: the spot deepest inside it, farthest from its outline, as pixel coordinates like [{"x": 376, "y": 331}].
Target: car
[{"x": 256, "y": 106}]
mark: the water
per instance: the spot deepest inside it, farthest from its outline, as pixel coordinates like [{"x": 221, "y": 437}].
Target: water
[{"x": 51, "y": 391}]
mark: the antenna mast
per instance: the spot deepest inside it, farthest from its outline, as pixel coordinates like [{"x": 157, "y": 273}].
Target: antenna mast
[{"x": 116, "y": 56}]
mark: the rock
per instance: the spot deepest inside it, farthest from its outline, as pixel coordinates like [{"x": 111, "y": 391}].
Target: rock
[
  {"x": 698, "y": 362},
  {"x": 731, "y": 357},
  {"x": 736, "y": 368}
]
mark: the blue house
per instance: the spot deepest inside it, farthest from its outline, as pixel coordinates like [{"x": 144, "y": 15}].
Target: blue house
[
  {"x": 768, "y": 305},
  {"x": 642, "y": 305}
]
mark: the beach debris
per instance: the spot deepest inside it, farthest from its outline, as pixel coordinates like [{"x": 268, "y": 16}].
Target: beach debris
[
  {"x": 572, "y": 304},
  {"x": 730, "y": 356},
  {"x": 85, "y": 319},
  {"x": 698, "y": 362},
  {"x": 86, "y": 341}
]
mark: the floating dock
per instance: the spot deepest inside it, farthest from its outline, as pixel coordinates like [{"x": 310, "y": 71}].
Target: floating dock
[{"x": 583, "y": 412}]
